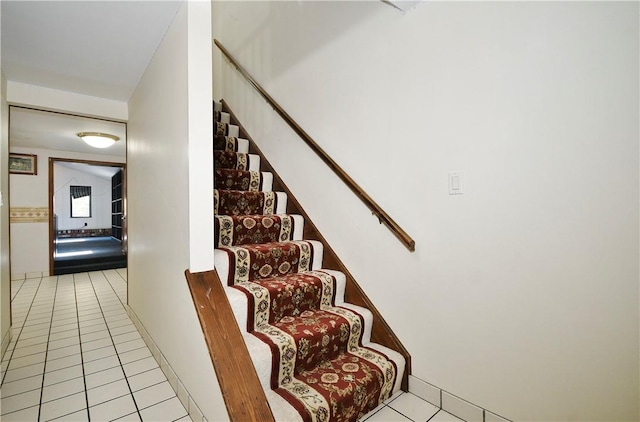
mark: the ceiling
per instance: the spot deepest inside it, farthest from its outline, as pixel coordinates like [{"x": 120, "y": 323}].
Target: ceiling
[
  {"x": 47, "y": 130},
  {"x": 103, "y": 172},
  {"x": 96, "y": 48}
]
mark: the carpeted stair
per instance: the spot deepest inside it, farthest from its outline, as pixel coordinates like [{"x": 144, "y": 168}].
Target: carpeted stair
[{"x": 312, "y": 351}]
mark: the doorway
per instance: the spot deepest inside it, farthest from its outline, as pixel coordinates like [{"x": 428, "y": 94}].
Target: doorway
[
  {"x": 37, "y": 136},
  {"x": 87, "y": 218}
]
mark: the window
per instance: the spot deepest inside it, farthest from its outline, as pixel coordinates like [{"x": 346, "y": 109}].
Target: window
[{"x": 80, "y": 201}]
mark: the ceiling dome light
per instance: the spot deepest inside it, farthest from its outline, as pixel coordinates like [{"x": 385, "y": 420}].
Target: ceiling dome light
[{"x": 98, "y": 140}]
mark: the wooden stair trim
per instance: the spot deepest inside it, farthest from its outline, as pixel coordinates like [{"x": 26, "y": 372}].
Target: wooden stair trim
[
  {"x": 381, "y": 331},
  {"x": 243, "y": 394}
]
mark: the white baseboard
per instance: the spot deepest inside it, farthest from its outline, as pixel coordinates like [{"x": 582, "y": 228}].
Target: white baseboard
[
  {"x": 183, "y": 395},
  {"x": 450, "y": 403},
  {"x": 6, "y": 340},
  {"x": 33, "y": 274}
]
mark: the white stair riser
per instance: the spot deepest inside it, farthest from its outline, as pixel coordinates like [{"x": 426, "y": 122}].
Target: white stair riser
[
  {"x": 225, "y": 117},
  {"x": 243, "y": 145}
]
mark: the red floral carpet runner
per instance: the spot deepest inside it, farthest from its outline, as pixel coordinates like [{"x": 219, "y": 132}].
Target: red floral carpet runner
[
  {"x": 225, "y": 143},
  {"x": 248, "y": 229},
  {"x": 238, "y": 180},
  {"x": 253, "y": 262},
  {"x": 319, "y": 363},
  {"x": 234, "y": 202}
]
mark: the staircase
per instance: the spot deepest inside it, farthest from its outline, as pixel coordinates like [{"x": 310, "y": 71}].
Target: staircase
[{"x": 312, "y": 350}]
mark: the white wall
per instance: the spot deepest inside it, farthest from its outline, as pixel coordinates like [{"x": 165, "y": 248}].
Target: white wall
[
  {"x": 100, "y": 199},
  {"x": 42, "y": 98},
  {"x": 522, "y": 295},
  {"x": 30, "y": 241},
  {"x": 161, "y": 151},
  {"x": 5, "y": 277}
]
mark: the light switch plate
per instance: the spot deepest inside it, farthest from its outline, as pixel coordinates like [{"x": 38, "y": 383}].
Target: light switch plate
[{"x": 455, "y": 183}]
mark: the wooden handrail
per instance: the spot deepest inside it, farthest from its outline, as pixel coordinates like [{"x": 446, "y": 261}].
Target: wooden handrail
[{"x": 382, "y": 216}]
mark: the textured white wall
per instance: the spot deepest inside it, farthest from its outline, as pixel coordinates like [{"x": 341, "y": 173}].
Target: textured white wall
[
  {"x": 30, "y": 241},
  {"x": 160, "y": 150},
  {"x": 200, "y": 109},
  {"x": 522, "y": 295}
]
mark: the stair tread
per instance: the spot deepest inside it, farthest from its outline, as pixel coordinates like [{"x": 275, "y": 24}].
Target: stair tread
[
  {"x": 238, "y": 295},
  {"x": 269, "y": 245},
  {"x": 262, "y": 358},
  {"x": 285, "y": 296},
  {"x": 345, "y": 373},
  {"x": 349, "y": 385},
  {"x": 315, "y": 344}
]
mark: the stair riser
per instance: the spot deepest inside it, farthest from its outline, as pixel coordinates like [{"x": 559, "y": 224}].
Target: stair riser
[
  {"x": 253, "y": 181},
  {"x": 238, "y": 264},
  {"x": 226, "y": 129},
  {"x": 221, "y": 117},
  {"x": 243, "y": 203},
  {"x": 243, "y": 230},
  {"x": 230, "y": 144},
  {"x": 236, "y": 161}
]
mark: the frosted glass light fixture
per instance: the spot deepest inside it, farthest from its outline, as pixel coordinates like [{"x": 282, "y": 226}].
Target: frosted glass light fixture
[{"x": 98, "y": 140}]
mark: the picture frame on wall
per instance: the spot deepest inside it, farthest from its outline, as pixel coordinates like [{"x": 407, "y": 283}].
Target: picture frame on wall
[{"x": 23, "y": 164}]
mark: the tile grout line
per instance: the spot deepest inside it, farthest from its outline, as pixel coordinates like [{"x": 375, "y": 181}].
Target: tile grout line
[
  {"x": 4, "y": 375},
  {"x": 84, "y": 376},
  {"x": 124, "y": 305},
  {"x": 162, "y": 401},
  {"x": 13, "y": 296},
  {"x": 435, "y": 414},
  {"x": 44, "y": 369},
  {"x": 441, "y": 393},
  {"x": 114, "y": 344}
]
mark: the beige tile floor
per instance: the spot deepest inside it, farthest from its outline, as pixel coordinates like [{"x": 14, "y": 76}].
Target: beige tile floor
[
  {"x": 407, "y": 407},
  {"x": 76, "y": 356}
]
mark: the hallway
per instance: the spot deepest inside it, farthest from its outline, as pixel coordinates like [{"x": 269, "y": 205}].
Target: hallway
[{"x": 75, "y": 355}]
